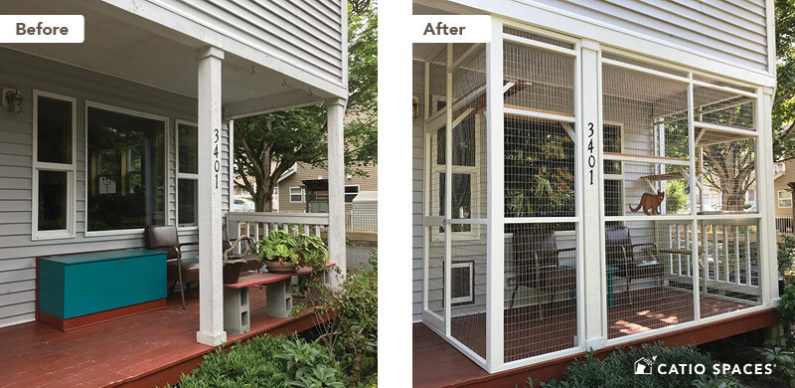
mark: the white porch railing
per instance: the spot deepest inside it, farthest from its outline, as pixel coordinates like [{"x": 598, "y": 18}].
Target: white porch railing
[
  {"x": 784, "y": 225},
  {"x": 258, "y": 225},
  {"x": 728, "y": 254}
]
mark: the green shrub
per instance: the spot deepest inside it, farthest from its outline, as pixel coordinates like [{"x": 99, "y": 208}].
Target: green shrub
[
  {"x": 786, "y": 307},
  {"x": 786, "y": 248},
  {"x": 352, "y": 336},
  {"x": 268, "y": 362},
  {"x": 617, "y": 370}
]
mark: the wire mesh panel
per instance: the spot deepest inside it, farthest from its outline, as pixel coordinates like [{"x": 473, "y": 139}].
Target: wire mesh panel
[
  {"x": 645, "y": 143},
  {"x": 724, "y": 107},
  {"x": 727, "y": 184},
  {"x": 468, "y": 197},
  {"x": 540, "y": 289},
  {"x": 649, "y": 275},
  {"x": 539, "y": 158},
  {"x": 729, "y": 265},
  {"x": 646, "y": 174}
]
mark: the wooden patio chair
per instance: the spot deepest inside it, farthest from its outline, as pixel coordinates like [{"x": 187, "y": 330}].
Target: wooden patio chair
[
  {"x": 165, "y": 238},
  {"x": 620, "y": 253},
  {"x": 537, "y": 265}
]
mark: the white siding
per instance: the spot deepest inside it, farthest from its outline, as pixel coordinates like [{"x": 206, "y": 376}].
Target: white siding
[
  {"x": 17, "y": 250},
  {"x": 734, "y": 31},
  {"x": 303, "y": 33}
]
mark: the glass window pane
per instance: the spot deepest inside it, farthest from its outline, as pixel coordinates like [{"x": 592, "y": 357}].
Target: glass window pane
[
  {"x": 126, "y": 162},
  {"x": 463, "y": 143},
  {"x": 188, "y": 136},
  {"x": 462, "y": 199},
  {"x": 54, "y": 126},
  {"x": 350, "y": 193},
  {"x": 53, "y": 188},
  {"x": 296, "y": 194},
  {"x": 188, "y": 198}
]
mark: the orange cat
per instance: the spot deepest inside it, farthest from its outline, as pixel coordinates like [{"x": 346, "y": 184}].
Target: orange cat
[{"x": 649, "y": 201}]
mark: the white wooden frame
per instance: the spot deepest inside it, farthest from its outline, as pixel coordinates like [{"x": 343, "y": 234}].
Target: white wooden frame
[
  {"x": 130, "y": 112},
  {"x": 69, "y": 168},
  {"x": 184, "y": 175}
]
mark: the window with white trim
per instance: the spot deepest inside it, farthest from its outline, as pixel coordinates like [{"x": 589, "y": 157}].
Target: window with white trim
[
  {"x": 187, "y": 173},
  {"x": 351, "y": 192},
  {"x": 784, "y": 198},
  {"x": 54, "y": 127},
  {"x": 296, "y": 194}
]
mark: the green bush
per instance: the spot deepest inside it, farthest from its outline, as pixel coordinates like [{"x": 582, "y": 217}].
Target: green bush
[
  {"x": 786, "y": 248},
  {"x": 617, "y": 370},
  {"x": 268, "y": 362},
  {"x": 352, "y": 336}
]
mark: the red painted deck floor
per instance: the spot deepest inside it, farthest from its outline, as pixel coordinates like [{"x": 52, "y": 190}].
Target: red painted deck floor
[
  {"x": 437, "y": 364},
  {"x": 127, "y": 349}
]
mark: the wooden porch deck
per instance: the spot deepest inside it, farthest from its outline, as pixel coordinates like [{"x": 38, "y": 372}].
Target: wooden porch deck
[
  {"x": 144, "y": 349},
  {"x": 438, "y": 364}
]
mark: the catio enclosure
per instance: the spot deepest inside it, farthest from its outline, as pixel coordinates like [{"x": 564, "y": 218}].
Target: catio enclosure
[{"x": 573, "y": 193}]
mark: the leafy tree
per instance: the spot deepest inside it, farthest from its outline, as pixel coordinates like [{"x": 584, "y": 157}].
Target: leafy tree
[{"x": 266, "y": 146}]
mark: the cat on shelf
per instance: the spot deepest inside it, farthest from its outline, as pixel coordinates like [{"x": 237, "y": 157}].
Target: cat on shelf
[{"x": 651, "y": 203}]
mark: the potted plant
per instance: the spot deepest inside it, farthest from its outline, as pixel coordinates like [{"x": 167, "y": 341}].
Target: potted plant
[
  {"x": 233, "y": 264},
  {"x": 289, "y": 251}
]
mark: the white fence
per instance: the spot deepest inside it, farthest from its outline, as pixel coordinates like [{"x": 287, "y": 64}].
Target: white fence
[
  {"x": 362, "y": 220},
  {"x": 784, "y": 225}
]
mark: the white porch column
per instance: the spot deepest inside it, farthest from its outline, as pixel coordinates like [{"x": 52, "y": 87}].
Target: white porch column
[
  {"x": 765, "y": 198},
  {"x": 211, "y": 295},
  {"x": 592, "y": 231},
  {"x": 336, "y": 184}
]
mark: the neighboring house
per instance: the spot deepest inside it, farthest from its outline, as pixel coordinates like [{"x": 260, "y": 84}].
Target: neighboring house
[
  {"x": 295, "y": 194},
  {"x": 132, "y": 128},
  {"x": 530, "y": 244}
]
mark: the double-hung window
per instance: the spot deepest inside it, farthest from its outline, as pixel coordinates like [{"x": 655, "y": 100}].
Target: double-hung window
[
  {"x": 54, "y": 139},
  {"x": 784, "y": 198},
  {"x": 296, "y": 194},
  {"x": 187, "y": 173}
]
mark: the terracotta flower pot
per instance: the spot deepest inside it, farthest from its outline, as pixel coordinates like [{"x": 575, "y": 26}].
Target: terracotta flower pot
[{"x": 275, "y": 266}]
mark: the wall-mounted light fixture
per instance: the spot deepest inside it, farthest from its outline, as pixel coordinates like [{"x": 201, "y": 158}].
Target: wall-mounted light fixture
[
  {"x": 12, "y": 100},
  {"x": 415, "y": 107}
]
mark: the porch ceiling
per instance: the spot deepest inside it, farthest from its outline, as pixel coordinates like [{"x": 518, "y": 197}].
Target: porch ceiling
[{"x": 130, "y": 47}]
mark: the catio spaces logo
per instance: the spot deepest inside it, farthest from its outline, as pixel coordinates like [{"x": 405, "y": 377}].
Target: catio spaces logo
[
  {"x": 644, "y": 366},
  {"x": 649, "y": 365}
]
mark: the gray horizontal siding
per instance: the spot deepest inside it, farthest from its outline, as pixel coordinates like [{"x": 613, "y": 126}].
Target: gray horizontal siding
[
  {"x": 303, "y": 33},
  {"x": 417, "y": 188},
  {"x": 732, "y": 30},
  {"x": 17, "y": 250}
]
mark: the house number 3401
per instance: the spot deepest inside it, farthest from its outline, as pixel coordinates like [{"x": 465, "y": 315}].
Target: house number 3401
[
  {"x": 591, "y": 157},
  {"x": 217, "y": 164}
]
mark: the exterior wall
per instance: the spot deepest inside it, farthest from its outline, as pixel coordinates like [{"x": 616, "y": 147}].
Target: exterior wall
[
  {"x": 305, "y": 34},
  {"x": 734, "y": 32},
  {"x": 305, "y": 172},
  {"x": 781, "y": 184},
  {"x": 17, "y": 250}
]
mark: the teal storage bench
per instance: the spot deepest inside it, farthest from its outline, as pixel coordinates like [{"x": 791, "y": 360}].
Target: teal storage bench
[{"x": 74, "y": 290}]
